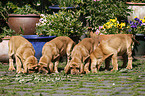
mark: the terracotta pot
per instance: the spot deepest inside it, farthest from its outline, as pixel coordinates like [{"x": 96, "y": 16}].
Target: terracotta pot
[
  {"x": 138, "y": 10},
  {"x": 4, "y": 49},
  {"x": 26, "y": 22}
]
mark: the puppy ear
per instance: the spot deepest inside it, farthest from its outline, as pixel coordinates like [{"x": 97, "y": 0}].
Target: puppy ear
[
  {"x": 67, "y": 68},
  {"x": 106, "y": 56},
  {"x": 55, "y": 51}
]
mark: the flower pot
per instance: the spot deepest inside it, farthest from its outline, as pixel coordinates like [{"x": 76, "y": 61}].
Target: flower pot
[
  {"x": 25, "y": 22},
  {"x": 4, "y": 49},
  {"x": 139, "y": 49},
  {"x": 38, "y": 43},
  {"x": 138, "y": 10}
]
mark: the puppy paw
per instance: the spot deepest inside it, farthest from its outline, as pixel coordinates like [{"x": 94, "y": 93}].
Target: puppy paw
[
  {"x": 87, "y": 72},
  {"x": 19, "y": 71},
  {"x": 94, "y": 70},
  {"x": 56, "y": 72},
  {"x": 128, "y": 67},
  {"x": 11, "y": 69}
]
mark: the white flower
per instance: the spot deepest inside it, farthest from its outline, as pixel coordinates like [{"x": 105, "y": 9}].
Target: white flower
[
  {"x": 37, "y": 24},
  {"x": 43, "y": 24},
  {"x": 41, "y": 19},
  {"x": 42, "y": 15}
]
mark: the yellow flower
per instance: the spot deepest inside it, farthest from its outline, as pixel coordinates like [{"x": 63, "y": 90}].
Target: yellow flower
[
  {"x": 144, "y": 17},
  {"x": 128, "y": 26},
  {"x": 135, "y": 17},
  {"x": 119, "y": 26},
  {"x": 113, "y": 20},
  {"x": 104, "y": 26},
  {"x": 109, "y": 26},
  {"x": 143, "y": 21},
  {"x": 108, "y": 23},
  {"x": 122, "y": 24}
]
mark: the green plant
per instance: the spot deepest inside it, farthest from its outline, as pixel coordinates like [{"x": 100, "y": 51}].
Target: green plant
[
  {"x": 7, "y": 32},
  {"x": 98, "y": 12},
  {"x": 2, "y": 11},
  {"x": 137, "y": 26},
  {"x": 66, "y": 3},
  {"x": 113, "y": 26},
  {"x": 138, "y": 1},
  {"x": 60, "y": 24},
  {"x": 11, "y": 8},
  {"x": 26, "y": 9}
]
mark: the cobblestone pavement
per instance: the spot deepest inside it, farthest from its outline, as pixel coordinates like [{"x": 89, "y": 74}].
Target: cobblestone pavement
[{"x": 104, "y": 83}]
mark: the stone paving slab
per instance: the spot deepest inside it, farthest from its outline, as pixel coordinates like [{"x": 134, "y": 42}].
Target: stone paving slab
[{"x": 104, "y": 83}]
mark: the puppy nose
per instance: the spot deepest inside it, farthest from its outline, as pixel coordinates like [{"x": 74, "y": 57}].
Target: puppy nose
[
  {"x": 40, "y": 71},
  {"x": 73, "y": 73}
]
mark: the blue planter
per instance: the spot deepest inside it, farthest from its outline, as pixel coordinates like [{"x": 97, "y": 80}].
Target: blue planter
[{"x": 38, "y": 43}]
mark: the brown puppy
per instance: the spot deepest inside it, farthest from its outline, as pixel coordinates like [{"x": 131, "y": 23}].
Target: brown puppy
[
  {"x": 52, "y": 51},
  {"x": 24, "y": 53},
  {"x": 81, "y": 53},
  {"x": 111, "y": 48}
]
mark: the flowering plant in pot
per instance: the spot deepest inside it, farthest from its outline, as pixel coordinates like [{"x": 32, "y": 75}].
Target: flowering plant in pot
[
  {"x": 25, "y": 18},
  {"x": 98, "y": 12},
  {"x": 113, "y": 26},
  {"x": 137, "y": 26},
  {"x": 60, "y": 24}
]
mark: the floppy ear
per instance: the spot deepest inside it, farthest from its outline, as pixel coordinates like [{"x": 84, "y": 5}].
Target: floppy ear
[
  {"x": 55, "y": 51},
  {"x": 67, "y": 68},
  {"x": 82, "y": 68},
  {"x": 106, "y": 56}
]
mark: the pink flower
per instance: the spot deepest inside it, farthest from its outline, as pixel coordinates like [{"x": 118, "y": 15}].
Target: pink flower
[
  {"x": 97, "y": 32},
  {"x": 95, "y": 0},
  {"x": 100, "y": 27}
]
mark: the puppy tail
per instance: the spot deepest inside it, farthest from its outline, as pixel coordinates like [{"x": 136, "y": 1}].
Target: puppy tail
[{"x": 134, "y": 40}]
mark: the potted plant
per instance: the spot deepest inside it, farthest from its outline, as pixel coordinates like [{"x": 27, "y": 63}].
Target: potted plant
[
  {"x": 64, "y": 4},
  {"x": 61, "y": 24},
  {"x": 97, "y": 12},
  {"x": 138, "y": 7},
  {"x": 137, "y": 27},
  {"x": 23, "y": 19}
]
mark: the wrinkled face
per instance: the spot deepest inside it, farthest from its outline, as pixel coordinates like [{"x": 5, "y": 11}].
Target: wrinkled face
[
  {"x": 99, "y": 61},
  {"x": 32, "y": 70},
  {"x": 42, "y": 68},
  {"x": 32, "y": 64},
  {"x": 74, "y": 69}
]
